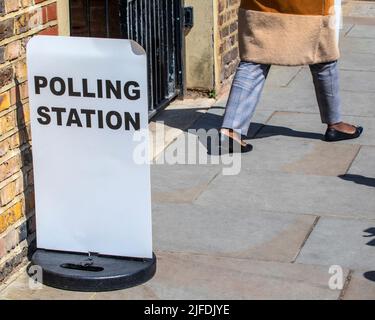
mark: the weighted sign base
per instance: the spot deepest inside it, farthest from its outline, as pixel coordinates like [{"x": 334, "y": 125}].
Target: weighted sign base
[{"x": 80, "y": 272}]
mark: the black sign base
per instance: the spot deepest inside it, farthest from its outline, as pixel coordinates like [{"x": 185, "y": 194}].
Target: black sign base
[{"x": 80, "y": 272}]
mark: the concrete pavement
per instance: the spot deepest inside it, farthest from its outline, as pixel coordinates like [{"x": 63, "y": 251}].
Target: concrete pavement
[{"x": 298, "y": 206}]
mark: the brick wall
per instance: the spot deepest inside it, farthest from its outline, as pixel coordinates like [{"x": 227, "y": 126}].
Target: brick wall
[
  {"x": 228, "y": 38},
  {"x": 19, "y": 21}
]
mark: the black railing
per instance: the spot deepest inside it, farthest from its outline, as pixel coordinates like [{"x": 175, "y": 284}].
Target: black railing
[{"x": 157, "y": 25}]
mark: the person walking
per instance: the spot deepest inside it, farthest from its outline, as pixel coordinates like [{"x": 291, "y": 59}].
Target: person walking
[{"x": 287, "y": 33}]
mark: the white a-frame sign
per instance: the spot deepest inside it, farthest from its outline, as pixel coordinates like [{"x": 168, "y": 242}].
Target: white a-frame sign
[{"x": 88, "y": 100}]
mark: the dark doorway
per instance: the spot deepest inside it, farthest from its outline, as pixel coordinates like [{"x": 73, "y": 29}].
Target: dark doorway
[
  {"x": 157, "y": 25},
  {"x": 95, "y": 18}
]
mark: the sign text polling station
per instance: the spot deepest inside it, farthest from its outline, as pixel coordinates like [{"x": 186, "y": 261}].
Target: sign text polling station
[{"x": 94, "y": 89}]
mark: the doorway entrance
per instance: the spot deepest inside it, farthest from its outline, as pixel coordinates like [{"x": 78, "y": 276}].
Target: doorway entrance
[{"x": 157, "y": 25}]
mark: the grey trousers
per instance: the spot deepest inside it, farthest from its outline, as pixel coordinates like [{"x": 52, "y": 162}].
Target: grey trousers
[{"x": 248, "y": 84}]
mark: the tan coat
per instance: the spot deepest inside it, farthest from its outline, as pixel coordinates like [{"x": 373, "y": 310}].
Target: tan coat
[{"x": 288, "y": 32}]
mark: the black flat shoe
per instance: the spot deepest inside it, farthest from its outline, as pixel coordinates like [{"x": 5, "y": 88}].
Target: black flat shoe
[
  {"x": 335, "y": 135},
  {"x": 230, "y": 145}
]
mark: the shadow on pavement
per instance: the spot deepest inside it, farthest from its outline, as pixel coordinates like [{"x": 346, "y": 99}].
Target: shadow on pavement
[
  {"x": 266, "y": 131},
  {"x": 371, "y": 234},
  {"x": 358, "y": 179},
  {"x": 213, "y": 120},
  {"x": 370, "y": 275},
  {"x": 207, "y": 127}
]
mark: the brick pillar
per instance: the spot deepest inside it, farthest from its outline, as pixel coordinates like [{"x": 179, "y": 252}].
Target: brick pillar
[
  {"x": 227, "y": 39},
  {"x": 19, "y": 21}
]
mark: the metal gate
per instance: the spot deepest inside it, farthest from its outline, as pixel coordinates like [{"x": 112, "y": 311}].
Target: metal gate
[{"x": 157, "y": 25}]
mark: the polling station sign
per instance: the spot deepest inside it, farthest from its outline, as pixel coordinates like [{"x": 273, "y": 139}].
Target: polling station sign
[{"x": 88, "y": 98}]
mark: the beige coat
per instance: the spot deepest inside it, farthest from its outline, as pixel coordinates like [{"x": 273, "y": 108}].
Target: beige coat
[{"x": 288, "y": 32}]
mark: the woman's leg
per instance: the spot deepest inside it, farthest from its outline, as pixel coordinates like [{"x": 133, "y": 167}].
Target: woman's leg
[
  {"x": 245, "y": 93},
  {"x": 326, "y": 81}
]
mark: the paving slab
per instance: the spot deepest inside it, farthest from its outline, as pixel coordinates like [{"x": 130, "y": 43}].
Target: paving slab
[
  {"x": 290, "y": 193},
  {"x": 231, "y": 233},
  {"x": 358, "y": 104},
  {"x": 304, "y": 100},
  {"x": 350, "y": 45},
  {"x": 199, "y": 145},
  {"x": 362, "y": 31},
  {"x": 303, "y": 80},
  {"x": 343, "y": 242},
  {"x": 181, "y": 116},
  {"x": 187, "y": 276},
  {"x": 213, "y": 119},
  {"x": 361, "y": 286},
  {"x": 359, "y": 8},
  {"x": 303, "y": 156},
  {"x": 357, "y": 61},
  {"x": 292, "y": 126},
  {"x": 324, "y": 159},
  {"x": 180, "y": 183},
  {"x": 346, "y": 27},
  {"x": 222, "y": 101},
  {"x": 363, "y": 166},
  {"x": 200, "y": 149},
  {"x": 308, "y": 126},
  {"x": 363, "y": 81},
  {"x": 193, "y": 277},
  {"x": 19, "y": 289},
  {"x": 288, "y": 99},
  {"x": 170, "y": 123},
  {"x": 281, "y": 76},
  {"x": 350, "y": 80}
]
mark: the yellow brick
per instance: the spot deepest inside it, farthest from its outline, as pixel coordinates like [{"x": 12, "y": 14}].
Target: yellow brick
[
  {"x": 11, "y": 5},
  {"x": 7, "y": 193},
  {"x": 10, "y": 167},
  {"x": 13, "y": 50},
  {"x": 21, "y": 70},
  {"x": 4, "y": 147},
  {"x": 7, "y": 122},
  {"x": 26, "y": 3},
  {"x": 19, "y": 185},
  {"x": 11, "y": 216},
  {"x": 14, "y": 141},
  {"x": 10, "y": 143},
  {"x": 4, "y": 101}
]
